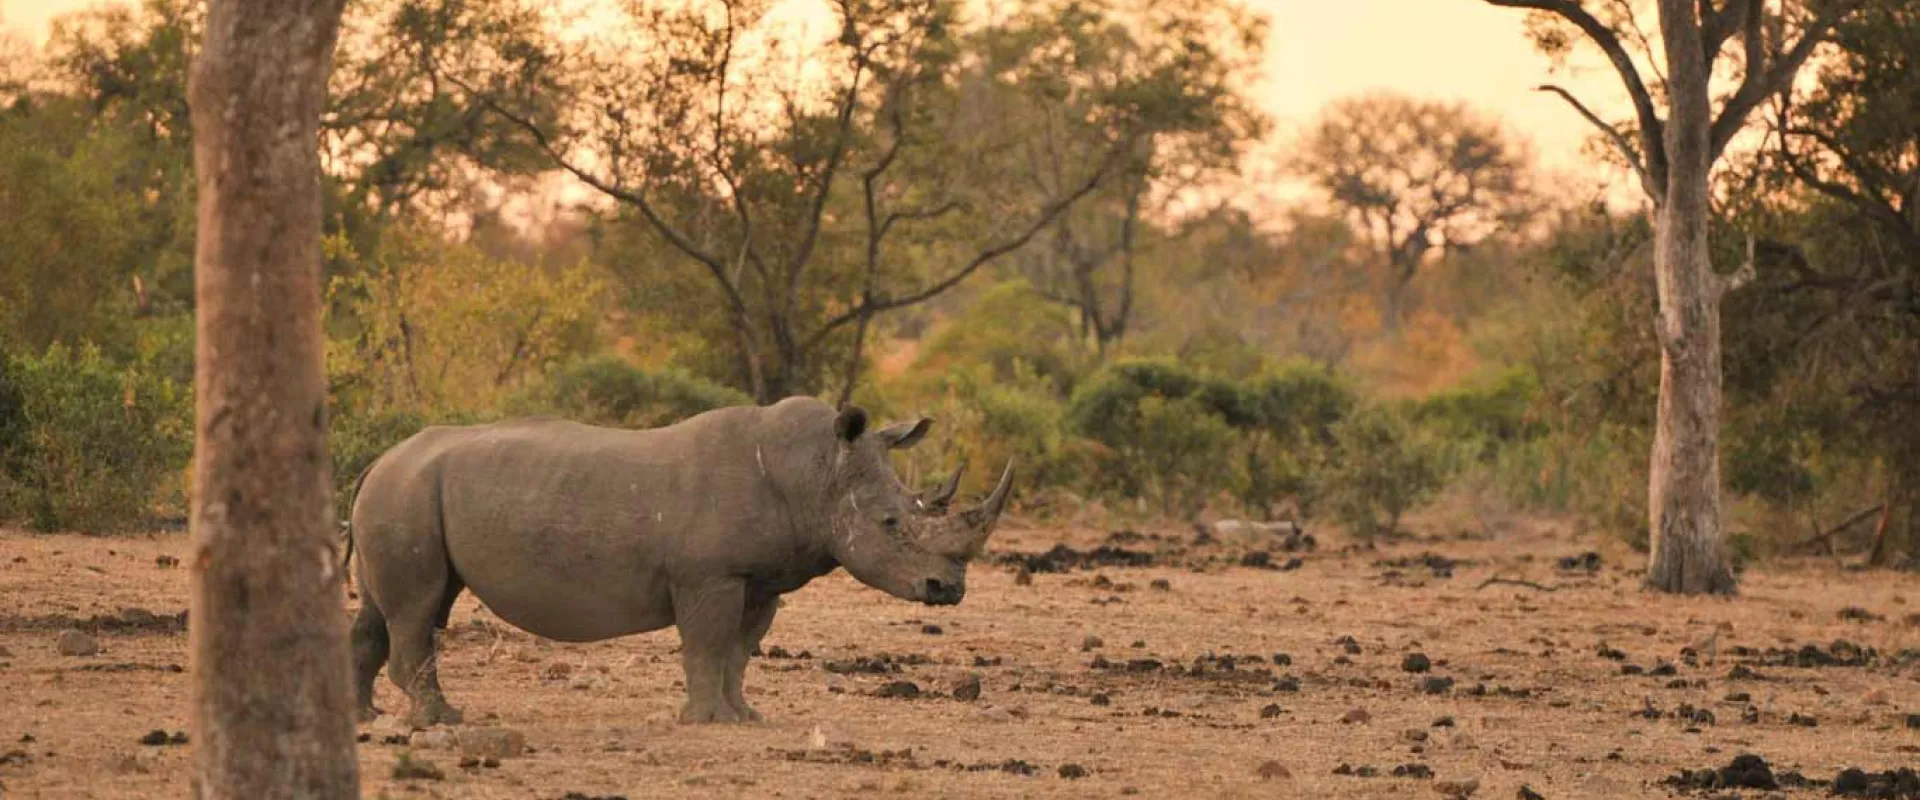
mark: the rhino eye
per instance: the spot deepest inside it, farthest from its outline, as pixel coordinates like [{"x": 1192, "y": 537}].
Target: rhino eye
[{"x": 890, "y": 521}]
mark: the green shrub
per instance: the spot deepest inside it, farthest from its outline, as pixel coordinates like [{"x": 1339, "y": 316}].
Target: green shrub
[
  {"x": 88, "y": 444},
  {"x": 1385, "y": 467},
  {"x": 1010, "y": 327},
  {"x": 356, "y": 439},
  {"x": 1293, "y": 411},
  {"x": 1166, "y": 430},
  {"x": 606, "y": 390}
]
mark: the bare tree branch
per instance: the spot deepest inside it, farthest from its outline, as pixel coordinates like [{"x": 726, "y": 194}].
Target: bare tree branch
[
  {"x": 1719, "y": 26},
  {"x": 985, "y": 256},
  {"x": 1764, "y": 79},
  {"x": 1651, "y": 127}
]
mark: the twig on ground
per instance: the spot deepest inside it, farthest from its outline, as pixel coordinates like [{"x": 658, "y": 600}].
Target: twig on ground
[{"x": 1518, "y": 582}]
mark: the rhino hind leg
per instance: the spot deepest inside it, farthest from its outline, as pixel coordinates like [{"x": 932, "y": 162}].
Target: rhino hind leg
[
  {"x": 753, "y": 628},
  {"x": 413, "y": 666},
  {"x": 710, "y": 618},
  {"x": 369, "y": 654}
]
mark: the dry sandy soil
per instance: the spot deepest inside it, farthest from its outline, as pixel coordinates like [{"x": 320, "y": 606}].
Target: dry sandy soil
[{"x": 1148, "y": 689}]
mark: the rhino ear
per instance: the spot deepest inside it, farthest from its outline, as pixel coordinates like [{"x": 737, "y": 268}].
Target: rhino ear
[
  {"x": 902, "y": 435},
  {"x": 850, "y": 424}
]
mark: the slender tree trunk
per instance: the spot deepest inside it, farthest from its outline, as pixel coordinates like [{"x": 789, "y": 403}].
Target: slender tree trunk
[
  {"x": 1683, "y": 493},
  {"x": 271, "y": 708}
]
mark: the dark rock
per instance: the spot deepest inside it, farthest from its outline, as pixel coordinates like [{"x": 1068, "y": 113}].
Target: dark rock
[
  {"x": 1416, "y": 662},
  {"x": 905, "y": 690},
  {"x": 1072, "y": 771},
  {"x": 1416, "y": 771},
  {"x": 1270, "y": 711},
  {"x": 1527, "y": 793},
  {"x": 1436, "y": 685},
  {"x": 967, "y": 689}
]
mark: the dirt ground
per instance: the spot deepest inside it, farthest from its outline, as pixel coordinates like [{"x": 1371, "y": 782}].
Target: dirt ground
[{"x": 1156, "y": 680}]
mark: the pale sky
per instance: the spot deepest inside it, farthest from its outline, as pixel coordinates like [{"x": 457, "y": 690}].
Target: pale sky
[{"x": 1318, "y": 51}]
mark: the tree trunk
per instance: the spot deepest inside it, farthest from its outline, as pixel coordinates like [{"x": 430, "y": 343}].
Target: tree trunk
[
  {"x": 1683, "y": 493},
  {"x": 271, "y": 708}
]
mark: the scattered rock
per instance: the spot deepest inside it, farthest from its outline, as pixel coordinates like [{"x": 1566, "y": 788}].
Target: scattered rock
[
  {"x": 1416, "y": 662},
  {"x": 1023, "y": 576},
  {"x": 1091, "y": 643},
  {"x": 159, "y": 738},
  {"x": 905, "y": 690},
  {"x": 1877, "y": 697},
  {"x": 1272, "y": 770},
  {"x": 1357, "y": 716},
  {"x": 409, "y": 768},
  {"x": 1747, "y": 771},
  {"x": 1858, "y": 614},
  {"x": 1271, "y": 710},
  {"x": 1458, "y": 788},
  {"x": 491, "y": 744},
  {"x": 1585, "y": 562},
  {"x": 1802, "y": 720},
  {"x": 1414, "y": 735},
  {"x": 1287, "y": 685},
  {"x": 1527, "y": 793},
  {"x": 1072, "y": 771},
  {"x": 1913, "y": 722},
  {"x": 431, "y": 739},
  {"x": 1611, "y": 654},
  {"x": 1066, "y": 559},
  {"x": 166, "y": 562},
  {"x": 1100, "y": 699},
  {"x": 557, "y": 671},
  {"x": 1161, "y": 585},
  {"x": 1415, "y": 771},
  {"x": 1443, "y": 722},
  {"x": 1436, "y": 685},
  {"x": 72, "y": 642},
  {"x": 967, "y": 689}
]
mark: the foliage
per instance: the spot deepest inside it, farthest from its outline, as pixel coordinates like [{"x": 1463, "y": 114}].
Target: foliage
[
  {"x": 92, "y": 444},
  {"x": 607, "y": 390},
  {"x": 441, "y": 326},
  {"x": 1168, "y": 427},
  {"x": 1289, "y": 437},
  {"x": 1009, "y": 327},
  {"x": 1386, "y": 467}
]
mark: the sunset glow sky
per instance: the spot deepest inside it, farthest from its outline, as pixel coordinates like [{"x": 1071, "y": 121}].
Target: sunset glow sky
[{"x": 1318, "y": 51}]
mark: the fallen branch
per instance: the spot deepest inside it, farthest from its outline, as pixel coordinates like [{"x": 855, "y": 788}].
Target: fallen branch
[
  {"x": 1856, "y": 519},
  {"x": 1518, "y": 582}
]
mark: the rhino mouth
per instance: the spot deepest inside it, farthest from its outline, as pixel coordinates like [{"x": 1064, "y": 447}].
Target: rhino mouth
[{"x": 936, "y": 592}]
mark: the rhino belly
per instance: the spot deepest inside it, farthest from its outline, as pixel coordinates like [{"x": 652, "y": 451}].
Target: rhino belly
[{"x": 561, "y": 585}]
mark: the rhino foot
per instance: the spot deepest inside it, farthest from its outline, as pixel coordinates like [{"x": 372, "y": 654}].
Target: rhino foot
[
  {"x": 427, "y": 715},
  {"x": 703, "y": 714}
]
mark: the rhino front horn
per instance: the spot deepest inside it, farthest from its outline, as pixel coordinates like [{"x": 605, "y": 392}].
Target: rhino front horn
[{"x": 988, "y": 512}]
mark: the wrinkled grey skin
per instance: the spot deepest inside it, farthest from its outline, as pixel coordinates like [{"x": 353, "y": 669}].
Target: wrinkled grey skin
[{"x": 579, "y": 533}]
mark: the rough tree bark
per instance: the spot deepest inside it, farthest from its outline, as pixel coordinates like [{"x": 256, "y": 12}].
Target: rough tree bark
[
  {"x": 272, "y": 711},
  {"x": 1673, "y": 159}
]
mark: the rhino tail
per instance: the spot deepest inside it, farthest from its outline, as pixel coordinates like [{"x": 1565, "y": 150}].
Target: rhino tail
[{"x": 346, "y": 525}]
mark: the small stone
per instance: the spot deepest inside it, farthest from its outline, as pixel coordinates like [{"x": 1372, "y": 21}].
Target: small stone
[
  {"x": 1287, "y": 685},
  {"x": 1270, "y": 711},
  {"x": 1272, "y": 770},
  {"x": 469, "y": 762},
  {"x": 409, "y": 768},
  {"x": 166, "y": 562},
  {"x": 817, "y": 739},
  {"x": 905, "y": 690},
  {"x": 1527, "y": 793},
  {"x": 389, "y": 725},
  {"x": 71, "y": 642},
  {"x": 556, "y": 671},
  {"x": 1091, "y": 643},
  {"x": 967, "y": 689},
  {"x": 996, "y": 714},
  {"x": 154, "y": 738},
  {"x": 931, "y": 630},
  {"x": 1357, "y": 716},
  {"x": 1414, "y": 735},
  {"x": 587, "y": 681},
  {"x": 1415, "y": 771},
  {"x": 1436, "y": 685},
  {"x": 1913, "y": 722},
  {"x": 492, "y": 743},
  {"x": 432, "y": 739},
  {"x": 1416, "y": 662},
  {"x": 1101, "y": 699},
  {"x": 1161, "y": 585},
  {"x": 5, "y": 653},
  {"x": 1457, "y": 788},
  {"x": 1850, "y": 781},
  {"x": 1024, "y": 577},
  {"x": 1443, "y": 722},
  {"x": 1877, "y": 697},
  {"x": 1072, "y": 771}
]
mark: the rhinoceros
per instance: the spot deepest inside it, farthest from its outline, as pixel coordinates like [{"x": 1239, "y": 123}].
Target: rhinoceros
[{"x": 581, "y": 533}]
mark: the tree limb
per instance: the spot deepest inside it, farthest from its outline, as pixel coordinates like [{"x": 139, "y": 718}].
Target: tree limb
[
  {"x": 1651, "y": 127},
  {"x": 1764, "y": 79},
  {"x": 1719, "y": 26},
  {"x": 985, "y": 256}
]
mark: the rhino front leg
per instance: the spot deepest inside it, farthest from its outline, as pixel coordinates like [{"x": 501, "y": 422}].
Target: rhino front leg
[
  {"x": 709, "y": 617},
  {"x": 753, "y": 627}
]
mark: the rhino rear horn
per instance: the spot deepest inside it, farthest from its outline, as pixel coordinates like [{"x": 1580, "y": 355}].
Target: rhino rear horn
[{"x": 939, "y": 501}]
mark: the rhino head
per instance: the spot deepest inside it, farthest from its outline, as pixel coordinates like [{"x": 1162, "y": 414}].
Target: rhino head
[{"x": 910, "y": 545}]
